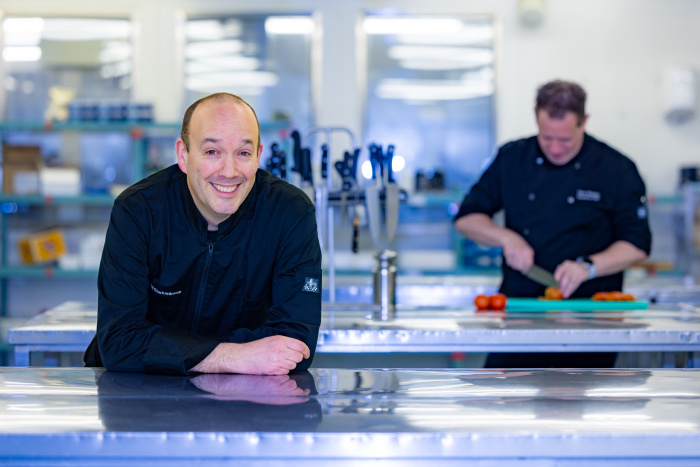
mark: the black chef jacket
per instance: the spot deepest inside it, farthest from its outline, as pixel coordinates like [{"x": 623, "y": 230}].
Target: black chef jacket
[
  {"x": 563, "y": 212},
  {"x": 169, "y": 293}
]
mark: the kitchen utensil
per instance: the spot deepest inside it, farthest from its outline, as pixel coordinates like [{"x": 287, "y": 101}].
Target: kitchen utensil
[
  {"x": 373, "y": 215},
  {"x": 541, "y": 276},
  {"x": 391, "y": 212}
]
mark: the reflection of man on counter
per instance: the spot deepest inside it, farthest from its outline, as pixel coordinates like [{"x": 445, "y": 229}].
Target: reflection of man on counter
[
  {"x": 573, "y": 205},
  {"x": 208, "y": 402},
  {"x": 207, "y": 266}
]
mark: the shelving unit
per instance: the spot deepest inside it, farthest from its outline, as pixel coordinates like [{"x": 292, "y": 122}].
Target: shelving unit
[{"x": 19, "y": 205}]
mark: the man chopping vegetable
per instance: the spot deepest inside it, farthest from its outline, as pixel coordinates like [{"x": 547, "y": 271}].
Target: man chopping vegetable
[{"x": 573, "y": 205}]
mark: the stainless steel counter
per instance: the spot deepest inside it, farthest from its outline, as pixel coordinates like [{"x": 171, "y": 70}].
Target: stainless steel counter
[
  {"x": 83, "y": 416},
  {"x": 346, "y": 328}
]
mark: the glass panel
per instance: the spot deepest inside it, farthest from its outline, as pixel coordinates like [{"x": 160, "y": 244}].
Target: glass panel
[
  {"x": 430, "y": 92},
  {"x": 264, "y": 59},
  {"x": 56, "y": 60}
]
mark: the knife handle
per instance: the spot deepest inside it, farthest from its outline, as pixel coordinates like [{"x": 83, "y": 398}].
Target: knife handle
[
  {"x": 324, "y": 161},
  {"x": 355, "y": 233}
]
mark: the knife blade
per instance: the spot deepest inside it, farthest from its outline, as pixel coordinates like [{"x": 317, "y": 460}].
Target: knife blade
[{"x": 541, "y": 276}]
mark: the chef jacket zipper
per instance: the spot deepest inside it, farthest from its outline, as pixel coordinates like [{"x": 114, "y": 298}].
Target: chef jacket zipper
[{"x": 202, "y": 289}]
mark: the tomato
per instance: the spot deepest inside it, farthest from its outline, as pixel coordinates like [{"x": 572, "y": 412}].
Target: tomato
[
  {"x": 481, "y": 302},
  {"x": 600, "y": 296},
  {"x": 615, "y": 296},
  {"x": 553, "y": 293},
  {"x": 497, "y": 301}
]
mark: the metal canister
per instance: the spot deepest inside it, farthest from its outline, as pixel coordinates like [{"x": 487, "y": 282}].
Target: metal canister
[{"x": 384, "y": 286}]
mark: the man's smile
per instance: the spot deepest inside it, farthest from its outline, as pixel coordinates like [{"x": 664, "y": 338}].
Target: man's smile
[{"x": 225, "y": 188}]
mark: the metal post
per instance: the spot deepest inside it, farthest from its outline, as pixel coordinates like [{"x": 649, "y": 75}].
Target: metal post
[{"x": 384, "y": 286}]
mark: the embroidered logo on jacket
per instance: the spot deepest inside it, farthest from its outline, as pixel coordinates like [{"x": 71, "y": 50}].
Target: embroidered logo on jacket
[
  {"x": 587, "y": 195},
  {"x": 310, "y": 285},
  {"x": 160, "y": 292}
]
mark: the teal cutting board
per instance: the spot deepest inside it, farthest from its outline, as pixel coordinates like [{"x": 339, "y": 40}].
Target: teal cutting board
[{"x": 572, "y": 304}]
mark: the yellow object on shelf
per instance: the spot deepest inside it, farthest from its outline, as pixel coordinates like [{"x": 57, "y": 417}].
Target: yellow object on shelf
[{"x": 43, "y": 247}]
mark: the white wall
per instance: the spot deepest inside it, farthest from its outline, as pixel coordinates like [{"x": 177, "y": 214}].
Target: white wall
[{"x": 617, "y": 49}]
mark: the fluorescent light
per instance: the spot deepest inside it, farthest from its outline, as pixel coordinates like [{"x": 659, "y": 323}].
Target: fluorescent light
[
  {"x": 21, "y": 54},
  {"x": 412, "y": 25},
  {"x": 289, "y": 25},
  {"x": 85, "y": 29},
  {"x": 112, "y": 70},
  {"x": 223, "y": 63},
  {"x": 232, "y": 79},
  {"x": 22, "y": 24},
  {"x": 470, "y": 35},
  {"x": 433, "y": 65},
  {"x": 115, "y": 51},
  {"x": 422, "y": 90},
  {"x": 22, "y": 31},
  {"x": 213, "y": 48},
  {"x": 473, "y": 56},
  {"x": 204, "y": 30}
]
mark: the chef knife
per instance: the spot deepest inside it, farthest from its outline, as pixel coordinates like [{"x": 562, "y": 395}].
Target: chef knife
[
  {"x": 296, "y": 152},
  {"x": 541, "y": 276},
  {"x": 391, "y": 192}
]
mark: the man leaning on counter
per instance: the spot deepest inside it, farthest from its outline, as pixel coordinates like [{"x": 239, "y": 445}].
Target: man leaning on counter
[
  {"x": 210, "y": 265},
  {"x": 573, "y": 205}
]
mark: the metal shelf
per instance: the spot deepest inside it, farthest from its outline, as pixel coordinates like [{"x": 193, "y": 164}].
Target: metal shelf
[
  {"x": 45, "y": 272},
  {"x": 38, "y": 200},
  {"x": 83, "y": 126}
]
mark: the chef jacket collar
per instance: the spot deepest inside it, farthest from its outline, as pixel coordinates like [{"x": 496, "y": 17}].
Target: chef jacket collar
[
  {"x": 200, "y": 224},
  {"x": 576, "y": 159}
]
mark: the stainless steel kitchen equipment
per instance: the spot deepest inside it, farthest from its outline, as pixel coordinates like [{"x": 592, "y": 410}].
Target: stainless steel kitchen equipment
[{"x": 384, "y": 276}]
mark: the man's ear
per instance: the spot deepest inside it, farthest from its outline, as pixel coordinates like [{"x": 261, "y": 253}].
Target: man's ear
[
  {"x": 583, "y": 123},
  {"x": 260, "y": 149},
  {"x": 181, "y": 151}
]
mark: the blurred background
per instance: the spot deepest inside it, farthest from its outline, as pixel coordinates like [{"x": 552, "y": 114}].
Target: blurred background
[{"x": 92, "y": 95}]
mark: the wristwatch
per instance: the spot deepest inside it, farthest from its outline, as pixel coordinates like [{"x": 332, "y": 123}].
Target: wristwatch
[{"x": 587, "y": 263}]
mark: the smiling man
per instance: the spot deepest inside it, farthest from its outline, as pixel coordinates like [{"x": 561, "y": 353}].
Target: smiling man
[
  {"x": 573, "y": 205},
  {"x": 207, "y": 263}
]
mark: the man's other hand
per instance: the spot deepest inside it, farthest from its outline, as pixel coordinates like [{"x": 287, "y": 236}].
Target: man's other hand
[{"x": 570, "y": 274}]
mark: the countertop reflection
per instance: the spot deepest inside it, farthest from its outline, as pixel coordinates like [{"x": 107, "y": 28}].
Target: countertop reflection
[{"x": 325, "y": 414}]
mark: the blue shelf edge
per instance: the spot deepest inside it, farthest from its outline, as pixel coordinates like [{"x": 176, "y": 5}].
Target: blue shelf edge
[{"x": 45, "y": 272}]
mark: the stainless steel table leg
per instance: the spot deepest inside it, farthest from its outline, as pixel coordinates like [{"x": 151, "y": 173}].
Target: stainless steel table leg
[
  {"x": 21, "y": 355},
  {"x": 694, "y": 360},
  {"x": 668, "y": 360}
]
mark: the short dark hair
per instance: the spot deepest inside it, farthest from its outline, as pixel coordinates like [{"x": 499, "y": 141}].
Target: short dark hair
[
  {"x": 558, "y": 97},
  {"x": 217, "y": 97}
]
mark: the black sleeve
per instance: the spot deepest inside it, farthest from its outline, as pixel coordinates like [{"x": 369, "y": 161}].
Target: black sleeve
[
  {"x": 630, "y": 222},
  {"x": 296, "y": 285},
  {"x": 127, "y": 340},
  {"x": 485, "y": 196}
]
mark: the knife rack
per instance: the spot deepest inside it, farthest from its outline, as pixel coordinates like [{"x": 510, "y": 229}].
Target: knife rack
[{"x": 322, "y": 194}]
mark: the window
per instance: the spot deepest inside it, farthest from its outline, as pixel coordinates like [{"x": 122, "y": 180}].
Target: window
[
  {"x": 266, "y": 60},
  {"x": 90, "y": 59},
  {"x": 430, "y": 91}
]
